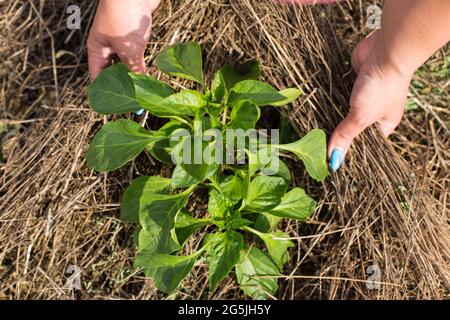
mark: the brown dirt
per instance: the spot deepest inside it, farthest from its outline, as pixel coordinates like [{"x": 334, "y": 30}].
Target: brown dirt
[{"x": 387, "y": 207}]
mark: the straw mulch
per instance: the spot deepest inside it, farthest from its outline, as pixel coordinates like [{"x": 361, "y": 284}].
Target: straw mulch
[{"x": 387, "y": 208}]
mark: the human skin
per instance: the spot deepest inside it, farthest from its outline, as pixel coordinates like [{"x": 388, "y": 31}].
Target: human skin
[
  {"x": 412, "y": 30},
  {"x": 120, "y": 28}
]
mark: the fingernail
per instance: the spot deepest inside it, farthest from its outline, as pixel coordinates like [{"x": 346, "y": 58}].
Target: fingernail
[
  {"x": 337, "y": 156},
  {"x": 139, "y": 112}
]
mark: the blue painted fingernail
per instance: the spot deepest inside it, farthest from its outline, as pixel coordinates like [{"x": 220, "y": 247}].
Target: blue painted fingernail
[
  {"x": 337, "y": 156},
  {"x": 139, "y": 112}
]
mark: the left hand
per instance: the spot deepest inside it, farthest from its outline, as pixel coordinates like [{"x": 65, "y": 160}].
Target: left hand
[{"x": 378, "y": 97}]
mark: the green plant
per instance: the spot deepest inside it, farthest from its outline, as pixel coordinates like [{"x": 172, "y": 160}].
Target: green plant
[{"x": 248, "y": 197}]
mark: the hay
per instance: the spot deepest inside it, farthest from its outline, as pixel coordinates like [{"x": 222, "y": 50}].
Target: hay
[{"x": 54, "y": 212}]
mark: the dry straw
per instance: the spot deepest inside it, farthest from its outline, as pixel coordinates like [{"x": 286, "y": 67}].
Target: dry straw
[{"x": 54, "y": 212}]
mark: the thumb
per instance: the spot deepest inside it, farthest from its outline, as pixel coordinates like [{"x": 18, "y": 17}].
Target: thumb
[{"x": 343, "y": 136}]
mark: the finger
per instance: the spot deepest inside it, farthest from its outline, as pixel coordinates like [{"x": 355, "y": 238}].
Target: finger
[
  {"x": 98, "y": 58},
  {"x": 133, "y": 57},
  {"x": 388, "y": 126},
  {"x": 343, "y": 136},
  {"x": 347, "y": 130}
]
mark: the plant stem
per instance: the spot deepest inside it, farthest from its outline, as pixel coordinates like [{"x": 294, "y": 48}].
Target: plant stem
[{"x": 224, "y": 115}]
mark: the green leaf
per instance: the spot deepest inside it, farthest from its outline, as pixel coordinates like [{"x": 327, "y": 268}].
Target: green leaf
[
  {"x": 177, "y": 138},
  {"x": 166, "y": 270},
  {"x": 201, "y": 167},
  {"x": 182, "y": 60},
  {"x": 183, "y": 103},
  {"x": 236, "y": 222},
  {"x": 227, "y": 76},
  {"x": 218, "y": 205},
  {"x": 232, "y": 220},
  {"x": 181, "y": 178},
  {"x": 277, "y": 244},
  {"x": 264, "y": 160},
  {"x": 150, "y": 91},
  {"x": 244, "y": 115},
  {"x": 200, "y": 172},
  {"x": 287, "y": 132},
  {"x": 276, "y": 167},
  {"x": 296, "y": 204},
  {"x": 223, "y": 252},
  {"x": 186, "y": 225},
  {"x": 258, "y": 92},
  {"x": 312, "y": 150},
  {"x": 140, "y": 187},
  {"x": 283, "y": 171},
  {"x": 214, "y": 113},
  {"x": 231, "y": 187},
  {"x": 161, "y": 149},
  {"x": 254, "y": 165},
  {"x": 135, "y": 236},
  {"x": 112, "y": 92},
  {"x": 168, "y": 128},
  {"x": 252, "y": 267},
  {"x": 117, "y": 143},
  {"x": 291, "y": 95},
  {"x": 265, "y": 222},
  {"x": 157, "y": 218},
  {"x": 265, "y": 193}
]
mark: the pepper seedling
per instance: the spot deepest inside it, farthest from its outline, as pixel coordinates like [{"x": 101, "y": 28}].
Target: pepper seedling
[{"x": 248, "y": 195}]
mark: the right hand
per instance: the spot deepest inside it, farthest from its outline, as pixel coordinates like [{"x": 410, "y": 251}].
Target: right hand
[{"x": 120, "y": 28}]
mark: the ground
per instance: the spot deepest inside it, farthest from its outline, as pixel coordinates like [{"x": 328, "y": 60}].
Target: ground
[{"x": 387, "y": 208}]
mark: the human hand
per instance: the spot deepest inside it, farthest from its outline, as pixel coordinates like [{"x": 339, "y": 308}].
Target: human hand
[
  {"x": 120, "y": 28},
  {"x": 378, "y": 97}
]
